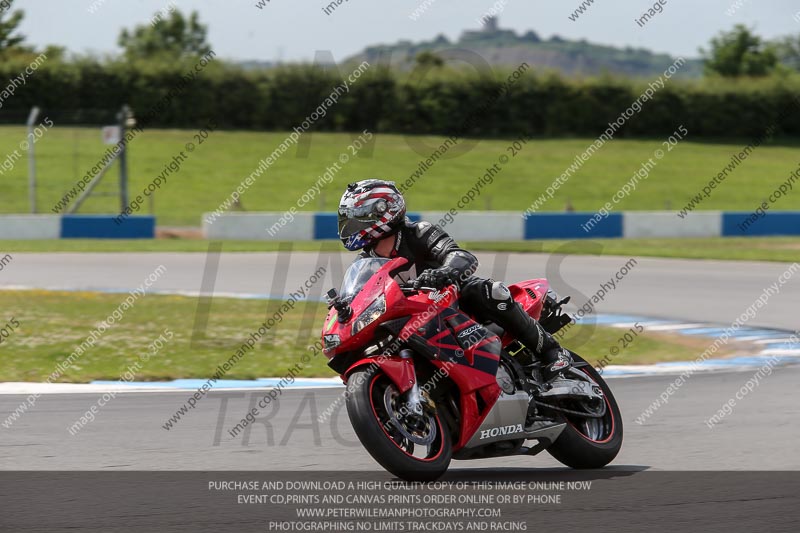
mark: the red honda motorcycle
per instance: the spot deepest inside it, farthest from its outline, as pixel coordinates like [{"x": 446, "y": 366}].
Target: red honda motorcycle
[{"x": 426, "y": 383}]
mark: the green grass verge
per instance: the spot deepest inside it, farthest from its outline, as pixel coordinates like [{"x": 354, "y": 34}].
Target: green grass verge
[
  {"x": 157, "y": 245},
  {"x": 217, "y": 166},
  {"x": 53, "y": 324},
  {"x": 730, "y": 248},
  {"x": 602, "y": 346}
]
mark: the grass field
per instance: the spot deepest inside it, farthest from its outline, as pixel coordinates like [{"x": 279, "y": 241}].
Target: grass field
[
  {"x": 50, "y": 325},
  {"x": 218, "y": 165},
  {"x": 763, "y": 249}
]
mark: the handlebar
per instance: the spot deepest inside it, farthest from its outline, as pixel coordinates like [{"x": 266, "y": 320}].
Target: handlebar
[{"x": 409, "y": 287}]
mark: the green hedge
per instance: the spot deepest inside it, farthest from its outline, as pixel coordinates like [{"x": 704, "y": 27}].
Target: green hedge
[{"x": 442, "y": 103}]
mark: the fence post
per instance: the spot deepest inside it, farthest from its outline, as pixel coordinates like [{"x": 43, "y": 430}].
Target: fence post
[
  {"x": 125, "y": 119},
  {"x": 32, "y": 118}
]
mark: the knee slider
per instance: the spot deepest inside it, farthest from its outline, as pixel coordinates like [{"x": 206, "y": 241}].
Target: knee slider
[
  {"x": 498, "y": 296},
  {"x": 499, "y": 292}
]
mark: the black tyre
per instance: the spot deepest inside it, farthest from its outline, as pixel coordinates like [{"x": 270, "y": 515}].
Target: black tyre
[
  {"x": 590, "y": 442},
  {"x": 412, "y": 448}
]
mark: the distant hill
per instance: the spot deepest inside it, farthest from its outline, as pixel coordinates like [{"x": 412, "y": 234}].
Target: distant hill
[
  {"x": 256, "y": 65},
  {"x": 505, "y": 47}
]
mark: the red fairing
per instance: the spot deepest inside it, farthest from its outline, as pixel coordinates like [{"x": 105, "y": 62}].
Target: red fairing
[
  {"x": 471, "y": 416},
  {"x": 400, "y": 371},
  {"x": 531, "y": 304},
  {"x": 438, "y": 331}
]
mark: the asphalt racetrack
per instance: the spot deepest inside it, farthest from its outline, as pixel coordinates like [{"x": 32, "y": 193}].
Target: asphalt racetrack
[
  {"x": 760, "y": 433},
  {"x": 705, "y": 291},
  {"x": 126, "y": 471}
]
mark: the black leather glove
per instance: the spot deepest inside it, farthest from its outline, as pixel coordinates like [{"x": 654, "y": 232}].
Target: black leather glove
[{"x": 437, "y": 278}]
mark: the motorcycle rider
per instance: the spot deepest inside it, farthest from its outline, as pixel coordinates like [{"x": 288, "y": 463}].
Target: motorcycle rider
[{"x": 372, "y": 218}]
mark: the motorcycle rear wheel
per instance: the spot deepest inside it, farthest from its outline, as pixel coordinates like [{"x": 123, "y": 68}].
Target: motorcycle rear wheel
[
  {"x": 370, "y": 403},
  {"x": 590, "y": 443}
]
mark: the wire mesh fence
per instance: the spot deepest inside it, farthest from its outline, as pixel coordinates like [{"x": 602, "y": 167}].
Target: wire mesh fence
[{"x": 65, "y": 146}]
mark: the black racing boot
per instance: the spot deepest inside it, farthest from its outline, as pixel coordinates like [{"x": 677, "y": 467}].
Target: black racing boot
[
  {"x": 555, "y": 359},
  {"x": 555, "y": 363}
]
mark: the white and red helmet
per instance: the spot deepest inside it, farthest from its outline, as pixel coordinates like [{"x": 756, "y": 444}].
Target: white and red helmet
[{"x": 369, "y": 211}]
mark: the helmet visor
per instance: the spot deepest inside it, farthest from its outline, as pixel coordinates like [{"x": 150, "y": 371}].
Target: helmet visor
[
  {"x": 351, "y": 225},
  {"x": 362, "y": 211}
]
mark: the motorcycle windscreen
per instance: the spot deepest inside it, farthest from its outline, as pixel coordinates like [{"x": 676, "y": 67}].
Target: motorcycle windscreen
[{"x": 358, "y": 274}]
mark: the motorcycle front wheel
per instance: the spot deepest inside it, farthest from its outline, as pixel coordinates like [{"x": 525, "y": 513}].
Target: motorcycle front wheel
[{"x": 412, "y": 447}]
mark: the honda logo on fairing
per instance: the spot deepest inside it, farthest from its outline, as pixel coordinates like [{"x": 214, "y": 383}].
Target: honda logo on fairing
[
  {"x": 469, "y": 331},
  {"x": 502, "y": 430}
]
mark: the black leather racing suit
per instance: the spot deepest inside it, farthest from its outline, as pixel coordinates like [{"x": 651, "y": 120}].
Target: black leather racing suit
[{"x": 429, "y": 247}]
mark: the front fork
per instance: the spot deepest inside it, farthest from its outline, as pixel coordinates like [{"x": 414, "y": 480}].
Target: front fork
[
  {"x": 413, "y": 397},
  {"x": 401, "y": 372}
]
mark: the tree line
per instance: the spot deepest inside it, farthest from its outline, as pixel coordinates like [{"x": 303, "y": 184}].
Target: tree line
[{"x": 750, "y": 85}]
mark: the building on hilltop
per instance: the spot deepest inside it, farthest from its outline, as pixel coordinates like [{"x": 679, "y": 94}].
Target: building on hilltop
[{"x": 490, "y": 30}]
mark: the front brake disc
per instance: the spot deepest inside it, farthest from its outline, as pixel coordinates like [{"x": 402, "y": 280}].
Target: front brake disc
[{"x": 423, "y": 436}]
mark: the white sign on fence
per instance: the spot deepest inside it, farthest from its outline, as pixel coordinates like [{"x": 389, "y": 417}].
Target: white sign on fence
[{"x": 112, "y": 134}]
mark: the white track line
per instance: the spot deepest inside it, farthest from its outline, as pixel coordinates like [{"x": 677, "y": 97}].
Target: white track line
[{"x": 669, "y": 327}]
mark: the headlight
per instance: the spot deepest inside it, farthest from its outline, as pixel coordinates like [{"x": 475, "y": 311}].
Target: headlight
[{"x": 370, "y": 314}]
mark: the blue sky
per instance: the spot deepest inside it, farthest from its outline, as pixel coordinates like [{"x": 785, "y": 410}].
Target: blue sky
[{"x": 294, "y": 29}]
